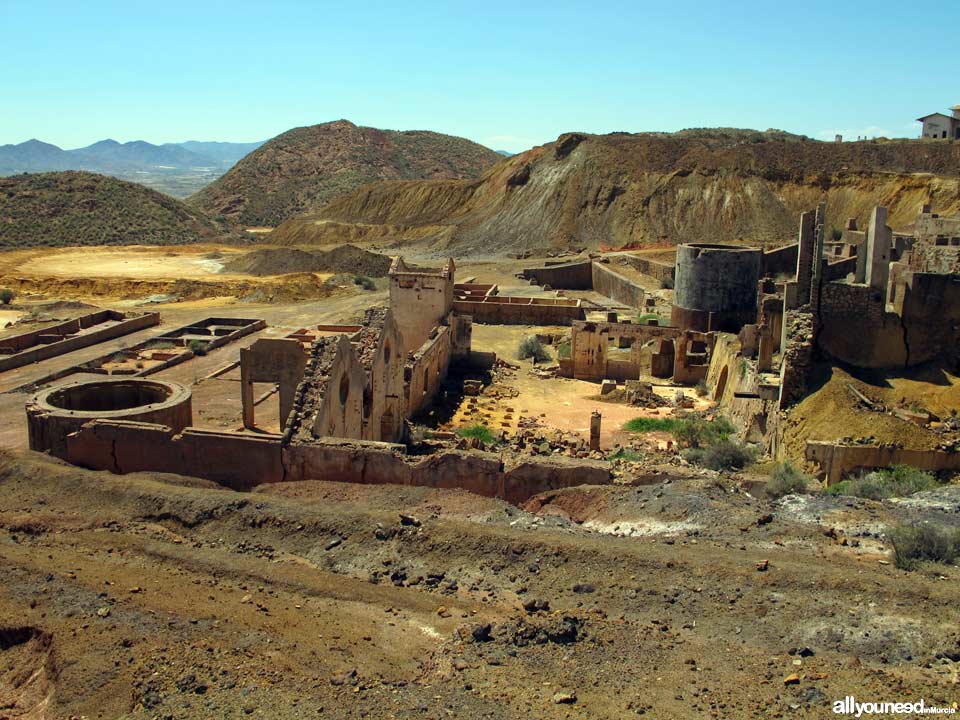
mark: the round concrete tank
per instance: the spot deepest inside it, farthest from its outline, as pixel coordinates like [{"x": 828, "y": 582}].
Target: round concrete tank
[
  {"x": 54, "y": 413},
  {"x": 715, "y": 287}
]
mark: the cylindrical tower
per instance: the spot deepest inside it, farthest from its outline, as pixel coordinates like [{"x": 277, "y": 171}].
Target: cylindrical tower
[{"x": 715, "y": 287}]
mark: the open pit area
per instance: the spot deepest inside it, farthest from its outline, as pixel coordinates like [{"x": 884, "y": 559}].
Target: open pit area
[{"x": 372, "y": 568}]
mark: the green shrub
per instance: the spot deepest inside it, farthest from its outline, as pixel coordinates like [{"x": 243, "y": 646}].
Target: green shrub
[
  {"x": 696, "y": 431},
  {"x": 479, "y": 431},
  {"x": 197, "y": 347},
  {"x": 564, "y": 348},
  {"x": 785, "y": 480},
  {"x": 701, "y": 388},
  {"x": 726, "y": 455},
  {"x": 6, "y": 296},
  {"x": 924, "y": 543},
  {"x": 643, "y": 319},
  {"x": 645, "y": 424},
  {"x": 898, "y": 481},
  {"x": 364, "y": 282},
  {"x": 628, "y": 455},
  {"x": 531, "y": 347}
]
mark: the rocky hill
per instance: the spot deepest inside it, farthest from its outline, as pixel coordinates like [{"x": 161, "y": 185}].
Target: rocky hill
[
  {"x": 625, "y": 190},
  {"x": 80, "y": 208},
  {"x": 305, "y": 168}
]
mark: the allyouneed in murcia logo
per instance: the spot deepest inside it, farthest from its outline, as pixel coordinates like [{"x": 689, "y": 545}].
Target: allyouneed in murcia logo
[{"x": 850, "y": 706}]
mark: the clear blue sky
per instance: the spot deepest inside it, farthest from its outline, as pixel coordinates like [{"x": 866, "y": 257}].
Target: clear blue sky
[{"x": 507, "y": 74}]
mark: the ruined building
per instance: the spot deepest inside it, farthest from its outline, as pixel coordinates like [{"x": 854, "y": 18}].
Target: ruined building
[{"x": 345, "y": 395}]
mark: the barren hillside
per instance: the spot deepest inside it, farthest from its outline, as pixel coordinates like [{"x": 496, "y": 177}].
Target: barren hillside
[
  {"x": 623, "y": 189},
  {"x": 305, "y": 168}
]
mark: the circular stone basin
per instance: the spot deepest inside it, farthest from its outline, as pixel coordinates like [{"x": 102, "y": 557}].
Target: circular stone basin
[
  {"x": 110, "y": 396},
  {"x": 56, "y": 413}
]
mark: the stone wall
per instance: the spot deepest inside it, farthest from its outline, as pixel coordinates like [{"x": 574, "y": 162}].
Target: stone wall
[
  {"x": 509, "y": 310},
  {"x": 662, "y": 271},
  {"x": 836, "y": 461},
  {"x": 615, "y": 286},
  {"x": 569, "y": 276},
  {"x": 779, "y": 261},
  {"x": 427, "y": 370},
  {"x": 244, "y": 460},
  {"x": 48, "y": 342}
]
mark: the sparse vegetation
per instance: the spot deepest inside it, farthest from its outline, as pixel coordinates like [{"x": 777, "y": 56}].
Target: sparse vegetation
[
  {"x": 644, "y": 424},
  {"x": 477, "y": 431},
  {"x": 197, "y": 347},
  {"x": 698, "y": 432},
  {"x": 836, "y": 234},
  {"x": 916, "y": 543},
  {"x": 701, "y": 388},
  {"x": 364, "y": 282},
  {"x": 625, "y": 454},
  {"x": 531, "y": 347},
  {"x": 78, "y": 208},
  {"x": 723, "y": 455},
  {"x": 880, "y": 484},
  {"x": 786, "y": 479},
  {"x": 564, "y": 348},
  {"x": 647, "y": 317},
  {"x": 6, "y": 296}
]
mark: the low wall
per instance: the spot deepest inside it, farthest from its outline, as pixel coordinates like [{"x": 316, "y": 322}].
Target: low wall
[
  {"x": 28, "y": 351},
  {"x": 508, "y": 310},
  {"x": 569, "y": 276},
  {"x": 616, "y": 286},
  {"x": 779, "y": 261},
  {"x": 244, "y": 460},
  {"x": 837, "y": 461},
  {"x": 654, "y": 268}
]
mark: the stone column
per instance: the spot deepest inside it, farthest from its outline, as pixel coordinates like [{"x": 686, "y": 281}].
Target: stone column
[
  {"x": 765, "y": 351},
  {"x": 805, "y": 243},
  {"x": 595, "y": 430},
  {"x": 879, "y": 241},
  {"x": 246, "y": 391}
]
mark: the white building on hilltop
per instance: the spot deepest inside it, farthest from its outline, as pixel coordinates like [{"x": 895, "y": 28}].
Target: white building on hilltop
[{"x": 939, "y": 125}]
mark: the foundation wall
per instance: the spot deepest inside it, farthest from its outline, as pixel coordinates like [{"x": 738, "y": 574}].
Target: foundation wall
[
  {"x": 838, "y": 461},
  {"x": 27, "y": 350},
  {"x": 253, "y": 459}
]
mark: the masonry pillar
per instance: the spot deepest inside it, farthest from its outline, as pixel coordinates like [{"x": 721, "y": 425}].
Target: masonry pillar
[
  {"x": 817, "y": 277},
  {"x": 246, "y": 390},
  {"x": 805, "y": 243},
  {"x": 765, "y": 351},
  {"x": 879, "y": 241},
  {"x": 595, "y": 430}
]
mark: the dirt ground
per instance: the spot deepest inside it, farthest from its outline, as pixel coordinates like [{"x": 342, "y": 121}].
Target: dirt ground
[{"x": 152, "y": 596}]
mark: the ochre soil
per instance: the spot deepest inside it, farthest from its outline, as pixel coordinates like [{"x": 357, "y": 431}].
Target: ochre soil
[{"x": 150, "y": 596}]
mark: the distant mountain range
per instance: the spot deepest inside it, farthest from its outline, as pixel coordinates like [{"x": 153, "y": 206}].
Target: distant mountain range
[
  {"x": 176, "y": 168},
  {"x": 109, "y": 156}
]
